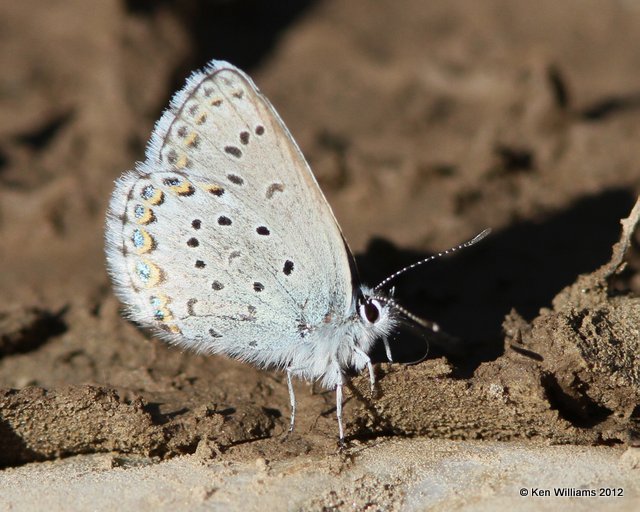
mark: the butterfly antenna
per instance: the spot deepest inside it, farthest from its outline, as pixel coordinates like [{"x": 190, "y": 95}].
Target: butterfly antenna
[
  {"x": 432, "y": 326},
  {"x": 464, "y": 245}
]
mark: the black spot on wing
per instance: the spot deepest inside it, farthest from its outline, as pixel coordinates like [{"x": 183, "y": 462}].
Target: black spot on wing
[{"x": 233, "y": 151}]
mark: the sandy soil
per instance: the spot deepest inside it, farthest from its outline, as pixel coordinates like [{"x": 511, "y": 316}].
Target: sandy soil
[
  {"x": 425, "y": 123},
  {"x": 388, "y": 474}
]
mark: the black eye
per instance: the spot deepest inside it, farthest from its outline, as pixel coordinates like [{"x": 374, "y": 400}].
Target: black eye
[{"x": 370, "y": 311}]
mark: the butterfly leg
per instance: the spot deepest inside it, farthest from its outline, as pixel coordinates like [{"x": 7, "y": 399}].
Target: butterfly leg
[
  {"x": 372, "y": 376},
  {"x": 339, "y": 414},
  {"x": 292, "y": 400},
  {"x": 387, "y": 349}
]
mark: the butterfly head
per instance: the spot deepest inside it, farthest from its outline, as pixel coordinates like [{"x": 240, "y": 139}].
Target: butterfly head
[
  {"x": 375, "y": 311},
  {"x": 381, "y": 314}
]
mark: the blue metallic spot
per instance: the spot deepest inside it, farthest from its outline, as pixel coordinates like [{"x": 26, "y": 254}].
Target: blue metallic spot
[
  {"x": 138, "y": 211},
  {"x": 172, "y": 182},
  {"x": 138, "y": 238},
  {"x": 143, "y": 270},
  {"x": 148, "y": 192},
  {"x": 158, "y": 304}
]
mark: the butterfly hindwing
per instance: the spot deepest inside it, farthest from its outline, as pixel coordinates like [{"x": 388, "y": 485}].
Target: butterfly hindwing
[{"x": 222, "y": 240}]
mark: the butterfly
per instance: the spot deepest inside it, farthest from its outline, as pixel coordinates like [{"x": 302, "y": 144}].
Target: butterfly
[{"x": 221, "y": 241}]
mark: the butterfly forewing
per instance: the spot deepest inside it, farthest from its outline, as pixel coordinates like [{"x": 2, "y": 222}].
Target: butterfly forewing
[{"x": 222, "y": 240}]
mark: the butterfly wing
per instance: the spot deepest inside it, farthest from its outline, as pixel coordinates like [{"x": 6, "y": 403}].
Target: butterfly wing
[{"x": 222, "y": 240}]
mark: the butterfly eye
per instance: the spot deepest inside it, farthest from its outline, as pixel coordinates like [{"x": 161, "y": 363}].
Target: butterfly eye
[{"x": 370, "y": 311}]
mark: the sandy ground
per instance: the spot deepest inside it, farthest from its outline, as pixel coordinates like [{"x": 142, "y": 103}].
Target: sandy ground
[
  {"x": 389, "y": 474},
  {"x": 425, "y": 122}
]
